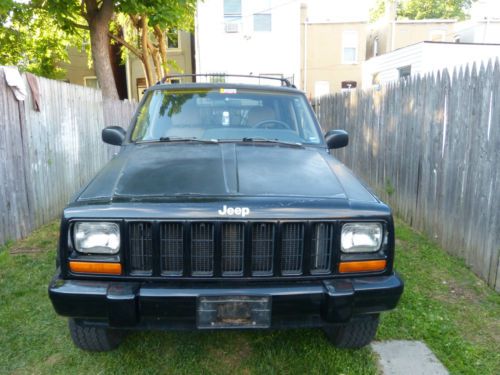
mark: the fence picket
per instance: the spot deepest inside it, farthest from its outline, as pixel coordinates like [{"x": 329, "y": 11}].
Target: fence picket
[
  {"x": 429, "y": 146},
  {"x": 46, "y": 156}
]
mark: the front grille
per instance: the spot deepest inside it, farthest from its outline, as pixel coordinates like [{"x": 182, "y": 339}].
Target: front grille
[
  {"x": 141, "y": 248},
  {"x": 292, "y": 248},
  {"x": 262, "y": 249},
  {"x": 231, "y": 249},
  {"x": 172, "y": 249},
  {"x": 202, "y": 249},
  {"x": 322, "y": 247}
]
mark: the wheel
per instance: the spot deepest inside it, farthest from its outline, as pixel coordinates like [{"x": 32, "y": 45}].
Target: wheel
[
  {"x": 359, "y": 332},
  {"x": 271, "y": 124},
  {"x": 95, "y": 339}
]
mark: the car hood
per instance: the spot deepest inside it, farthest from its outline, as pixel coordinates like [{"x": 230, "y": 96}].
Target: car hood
[{"x": 166, "y": 170}]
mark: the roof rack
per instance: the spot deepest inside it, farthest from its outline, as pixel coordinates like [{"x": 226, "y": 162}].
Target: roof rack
[{"x": 284, "y": 81}]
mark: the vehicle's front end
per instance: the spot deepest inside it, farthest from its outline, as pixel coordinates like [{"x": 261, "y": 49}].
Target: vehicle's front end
[{"x": 215, "y": 233}]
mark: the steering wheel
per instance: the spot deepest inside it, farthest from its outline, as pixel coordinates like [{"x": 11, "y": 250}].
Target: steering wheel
[{"x": 272, "y": 124}]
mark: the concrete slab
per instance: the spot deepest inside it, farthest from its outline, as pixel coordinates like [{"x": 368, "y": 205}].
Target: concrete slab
[{"x": 400, "y": 357}]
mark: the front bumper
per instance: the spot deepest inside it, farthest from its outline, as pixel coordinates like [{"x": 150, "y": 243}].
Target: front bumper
[{"x": 173, "y": 306}]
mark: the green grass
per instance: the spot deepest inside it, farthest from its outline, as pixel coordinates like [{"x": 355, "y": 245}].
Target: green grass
[{"x": 444, "y": 305}]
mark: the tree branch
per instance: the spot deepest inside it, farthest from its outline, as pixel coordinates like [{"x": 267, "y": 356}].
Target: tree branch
[
  {"x": 126, "y": 44},
  {"x": 82, "y": 9},
  {"x": 77, "y": 25}
]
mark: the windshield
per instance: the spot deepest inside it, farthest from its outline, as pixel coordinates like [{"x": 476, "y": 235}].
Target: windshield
[{"x": 225, "y": 114}]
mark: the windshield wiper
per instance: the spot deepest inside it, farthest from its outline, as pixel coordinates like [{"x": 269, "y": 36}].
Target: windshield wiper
[
  {"x": 187, "y": 139},
  {"x": 276, "y": 141}
]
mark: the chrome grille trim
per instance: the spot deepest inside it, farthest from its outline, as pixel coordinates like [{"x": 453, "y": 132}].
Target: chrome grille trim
[
  {"x": 292, "y": 248},
  {"x": 202, "y": 249},
  {"x": 141, "y": 248},
  {"x": 172, "y": 249},
  {"x": 233, "y": 242}
]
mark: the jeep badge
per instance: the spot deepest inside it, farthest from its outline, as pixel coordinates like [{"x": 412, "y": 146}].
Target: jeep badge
[{"x": 231, "y": 211}]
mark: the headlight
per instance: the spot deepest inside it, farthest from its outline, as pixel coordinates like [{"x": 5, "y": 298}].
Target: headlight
[
  {"x": 97, "y": 238},
  {"x": 361, "y": 237}
]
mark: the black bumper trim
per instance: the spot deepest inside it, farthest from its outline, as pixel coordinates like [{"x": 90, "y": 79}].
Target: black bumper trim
[{"x": 145, "y": 305}]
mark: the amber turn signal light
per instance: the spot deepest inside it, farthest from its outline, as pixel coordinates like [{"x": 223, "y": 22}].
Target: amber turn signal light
[
  {"x": 96, "y": 267},
  {"x": 362, "y": 266}
]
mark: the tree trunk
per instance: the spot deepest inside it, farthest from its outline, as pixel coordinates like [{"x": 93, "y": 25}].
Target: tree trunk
[
  {"x": 145, "y": 51},
  {"x": 98, "y": 20},
  {"x": 156, "y": 61},
  {"x": 162, "y": 44}
]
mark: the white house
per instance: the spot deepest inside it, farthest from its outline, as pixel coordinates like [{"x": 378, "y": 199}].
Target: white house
[
  {"x": 425, "y": 57},
  {"x": 481, "y": 31},
  {"x": 256, "y": 37}
]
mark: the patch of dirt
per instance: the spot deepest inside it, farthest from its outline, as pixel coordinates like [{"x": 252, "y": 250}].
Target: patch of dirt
[
  {"x": 53, "y": 359},
  {"x": 404, "y": 245},
  {"x": 25, "y": 250},
  {"x": 494, "y": 329},
  {"x": 232, "y": 359},
  {"x": 458, "y": 292},
  {"x": 480, "y": 331}
]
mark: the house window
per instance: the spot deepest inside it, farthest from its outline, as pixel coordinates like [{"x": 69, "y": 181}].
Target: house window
[
  {"x": 404, "y": 71},
  {"x": 218, "y": 78},
  {"x": 141, "y": 86},
  {"x": 262, "y": 19},
  {"x": 262, "y": 22},
  {"x": 349, "y": 47},
  {"x": 91, "y": 82},
  {"x": 232, "y": 16},
  {"x": 173, "y": 39},
  {"x": 346, "y": 86}
]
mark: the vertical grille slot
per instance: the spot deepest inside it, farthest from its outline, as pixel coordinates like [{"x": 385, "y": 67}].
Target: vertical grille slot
[
  {"x": 141, "y": 248},
  {"x": 233, "y": 240},
  {"x": 292, "y": 247},
  {"x": 202, "y": 249},
  {"x": 321, "y": 249},
  {"x": 171, "y": 249},
  {"x": 262, "y": 249}
]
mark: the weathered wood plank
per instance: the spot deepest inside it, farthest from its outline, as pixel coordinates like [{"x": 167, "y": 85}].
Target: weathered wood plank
[
  {"x": 47, "y": 156},
  {"x": 14, "y": 208},
  {"x": 429, "y": 146}
]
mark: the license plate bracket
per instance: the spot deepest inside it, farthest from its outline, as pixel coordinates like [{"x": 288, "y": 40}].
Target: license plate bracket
[{"x": 216, "y": 312}]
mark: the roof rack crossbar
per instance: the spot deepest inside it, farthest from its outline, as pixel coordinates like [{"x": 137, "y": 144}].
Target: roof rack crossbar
[{"x": 284, "y": 81}]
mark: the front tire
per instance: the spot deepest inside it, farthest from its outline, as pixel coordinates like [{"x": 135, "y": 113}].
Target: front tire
[
  {"x": 359, "y": 332},
  {"x": 95, "y": 339}
]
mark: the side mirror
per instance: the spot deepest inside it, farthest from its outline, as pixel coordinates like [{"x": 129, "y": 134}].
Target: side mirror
[
  {"x": 336, "y": 138},
  {"x": 114, "y": 135}
]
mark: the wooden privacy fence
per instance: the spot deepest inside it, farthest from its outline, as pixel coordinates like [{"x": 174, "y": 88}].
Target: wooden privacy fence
[
  {"x": 47, "y": 156},
  {"x": 430, "y": 146}
]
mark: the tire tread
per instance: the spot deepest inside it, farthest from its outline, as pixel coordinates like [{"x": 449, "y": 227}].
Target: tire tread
[
  {"x": 356, "y": 334},
  {"x": 94, "y": 339}
]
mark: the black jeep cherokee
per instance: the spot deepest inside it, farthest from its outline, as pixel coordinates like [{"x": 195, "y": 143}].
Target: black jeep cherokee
[{"x": 224, "y": 209}]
